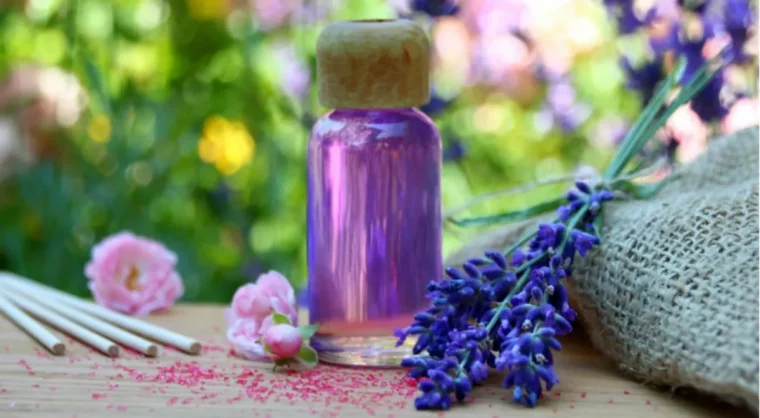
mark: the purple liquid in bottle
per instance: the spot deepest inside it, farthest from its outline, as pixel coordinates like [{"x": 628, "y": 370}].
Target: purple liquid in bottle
[{"x": 374, "y": 229}]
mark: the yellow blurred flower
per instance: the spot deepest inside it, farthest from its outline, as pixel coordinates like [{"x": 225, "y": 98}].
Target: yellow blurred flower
[
  {"x": 208, "y": 9},
  {"x": 226, "y": 144},
  {"x": 99, "y": 129}
]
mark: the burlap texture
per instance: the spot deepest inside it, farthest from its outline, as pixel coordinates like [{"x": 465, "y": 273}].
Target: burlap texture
[{"x": 672, "y": 293}]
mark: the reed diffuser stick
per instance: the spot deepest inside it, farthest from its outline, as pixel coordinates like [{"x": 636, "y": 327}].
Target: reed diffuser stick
[
  {"x": 64, "y": 325},
  {"x": 32, "y": 327},
  {"x": 101, "y": 327},
  {"x": 153, "y": 332}
]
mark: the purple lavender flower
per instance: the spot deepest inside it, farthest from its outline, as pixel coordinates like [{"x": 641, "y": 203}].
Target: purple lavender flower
[
  {"x": 629, "y": 21},
  {"x": 707, "y": 103},
  {"x": 436, "y": 105},
  {"x": 436, "y": 8},
  {"x": 643, "y": 79},
  {"x": 738, "y": 18},
  {"x": 503, "y": 313},
  {"x": 562, "y": 107}
]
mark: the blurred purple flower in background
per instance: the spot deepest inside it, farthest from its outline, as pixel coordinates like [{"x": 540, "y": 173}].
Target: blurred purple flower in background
[
  {"x": 738, "y": 18},
  {"x": 294, "y": 75},
  {"x": 629, "y": 17},
  {"x": 696, "y": 31},
  {"x": 562, "y": 109},
  {"x": 644, "y": 78},
  {"x": 436, "y": 8},
  {"x": 271, "y": 14}
]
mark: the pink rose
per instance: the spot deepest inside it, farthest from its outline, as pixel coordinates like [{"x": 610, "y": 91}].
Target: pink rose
[
  {"x": 134, "y": 275},
  {"x": 271, "y": 293},
  {"x": 282, "y": 341},
  {"x": 245, "y": 334},
  {"x": 250, "y": 314}
]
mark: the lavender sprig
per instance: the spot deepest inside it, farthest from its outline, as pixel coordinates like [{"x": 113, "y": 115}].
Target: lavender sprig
[
  {"x": 503, "y": 313},
  {"x": 506, "y": 310}
]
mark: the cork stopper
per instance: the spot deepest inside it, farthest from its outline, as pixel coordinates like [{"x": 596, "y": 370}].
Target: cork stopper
[{"x": 373, "y": 64}]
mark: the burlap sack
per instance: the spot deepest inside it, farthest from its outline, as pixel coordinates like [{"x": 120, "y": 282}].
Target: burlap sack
[{"x": 672, "y": 294}]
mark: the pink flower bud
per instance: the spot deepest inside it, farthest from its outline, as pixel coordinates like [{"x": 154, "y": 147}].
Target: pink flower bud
[{"x": 283, "y": 340}]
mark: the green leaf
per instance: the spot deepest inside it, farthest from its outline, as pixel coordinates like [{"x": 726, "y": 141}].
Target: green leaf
[
  {"x": 517, "y": 215},
  {"x": 278, "y": 318},
  {"x": 308, "y": 331},
  {"x": 307, "y": 356}
]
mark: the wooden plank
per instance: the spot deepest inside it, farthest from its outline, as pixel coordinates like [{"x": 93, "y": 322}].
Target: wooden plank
[{"x": 218, "y": 384}]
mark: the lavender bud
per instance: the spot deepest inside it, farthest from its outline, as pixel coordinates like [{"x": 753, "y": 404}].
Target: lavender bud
[
  {"x": 498, "y": 258},
  {"x": 477, "y": 261},
  {"x": 472, "y": 270},
  {"x": 572, "y": 195},
  {"x": 555, "y": 261},
  {"x": 545, "y": 332},
  {"x": 537, "y": 346},
  {"x": 493, "y": 272},
  {"x": 583, "y": 187},
  {"x": 454, "y": 273},
  {"x": 518, "y": 257},
  {"x": 426, "y": 386},
  {"x": 424, "y": 317},
  {"x": 554, "y": 343}
]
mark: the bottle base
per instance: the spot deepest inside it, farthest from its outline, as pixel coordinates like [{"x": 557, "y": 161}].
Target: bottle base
[{"x": 362, "y": 351}]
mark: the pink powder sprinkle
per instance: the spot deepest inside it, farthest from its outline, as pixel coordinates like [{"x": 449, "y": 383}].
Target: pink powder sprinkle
[
  {"x": 25, "y": 365},
  {"x": 53, "y": 388},
  {"x": 35, "y": 386},
  {"x": 172, "y": 401},
  {"x": 649, "y": 402},
  {"x": 625, "y": 392},
  {"x": 583, "y": 395},
  {"x": 121, "y": 408},
  {"x": 610, "y": 401},
  {"x": 99, "y": 395},
  {"x": 557, "y": 394},
  {"x": 11, "y": 404},
  {"x": 187, "y": 401}
]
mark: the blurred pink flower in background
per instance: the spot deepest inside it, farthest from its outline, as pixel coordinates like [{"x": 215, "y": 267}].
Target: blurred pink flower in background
[
  {"x": 686, "y": 128},
  {"x": 36, "y": 101},
  {"x": 271, "y": 14},
  {"x": 743, "y": 114},
  {"x": 134, "y": 275}
]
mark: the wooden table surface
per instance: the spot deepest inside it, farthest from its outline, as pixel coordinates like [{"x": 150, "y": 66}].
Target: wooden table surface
[{"x": 219, "y": 384}]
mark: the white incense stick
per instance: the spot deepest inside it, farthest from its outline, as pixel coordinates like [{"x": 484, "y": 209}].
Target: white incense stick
[
  {"x": 145, "y": 329},
  {"x": 103, "y": 328},
  {"x": 32, "y": 327},
  {"x": 64, "y": 325}
]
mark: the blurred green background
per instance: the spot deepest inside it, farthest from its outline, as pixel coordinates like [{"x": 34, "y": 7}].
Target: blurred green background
[{"x": 187, "y": 121}]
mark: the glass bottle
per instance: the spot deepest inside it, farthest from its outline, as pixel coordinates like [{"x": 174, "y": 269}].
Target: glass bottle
[{"x": 374, "y": 200}]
